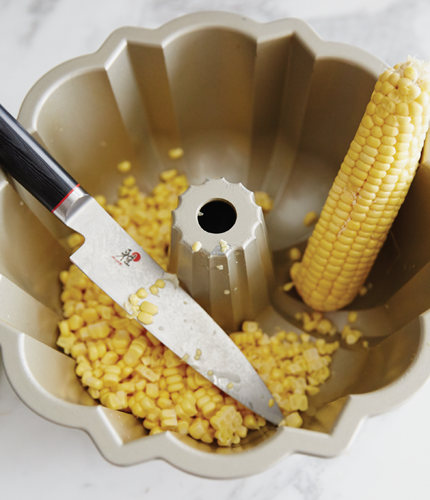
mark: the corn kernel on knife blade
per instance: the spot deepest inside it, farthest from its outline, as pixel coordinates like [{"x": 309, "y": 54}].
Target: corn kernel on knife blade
[{"x": 119, "y": 266}]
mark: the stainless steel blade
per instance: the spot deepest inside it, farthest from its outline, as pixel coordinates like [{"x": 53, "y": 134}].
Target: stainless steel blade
[{"x": 119, "y": 266}]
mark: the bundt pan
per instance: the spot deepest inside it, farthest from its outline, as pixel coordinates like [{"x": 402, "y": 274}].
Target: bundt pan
[{"x": 271, "y": 106}]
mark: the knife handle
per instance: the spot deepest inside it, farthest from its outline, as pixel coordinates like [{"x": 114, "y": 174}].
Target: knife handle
[{"x": 28, "y": 163}]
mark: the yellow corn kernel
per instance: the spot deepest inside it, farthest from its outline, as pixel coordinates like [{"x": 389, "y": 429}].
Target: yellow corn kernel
[
  {"x": 352, "y": 317},
  {"x": 129, "y": 181},
  {"x": 173, "y": 379},
  {"x": 133, "y": 355},
  {"x": 110, "y": 380},
  {"x": 168, "y": 175},
  {"x": 147, "y": 307},
  {"x": 199, "y": 393},
  {"x": 175, "y": 387},
  {"x": 175, "y": 396},
  {"x": 136, "y": 409},
  {"x": 124, "y": 167},
  {"x": 154, "y": 341},
  {"x": 148, "y": 424},
  {"x": 88, "y": 374},
  {"x": 197, "y": 428},
  {"x": 134, "y": 330},
  {"x": 94, "y": 383},
  {"x": 78, "y": 349},
  {"x": 294, "y": 254},
  {"x": 209, "y": 409},
  {"x": 153, "y": 289},
  {"x": 250, "y": 422},
  {"x": 152, "y": 390},
  {"x": 145, "y": 318},
  {"x": 64, "y": 276},
  {"x": 75, "y": 322},
  {"x": 154, "y": 414},
  {"x": 188, "y": 407},
  {"x": 133, "y": 299},
  {"x": 250, "y": 326},
  {"x": 64, "y": 328},
  {"x": 147, "y": 373},
  {"x": 156, "y": 430},
  {"x": 174, "y": 154},
  {"x": 310, "y": 218},
  {"x": 122, "y": 397},
  {"x": 98, "y": 330},
  {"x": 104, "y": 311},
  {"x": 82, "y": 367},
  {"x": 93, "y": 352},
  {"x": 75, "y": 240},
  {"x": 235, "y": 440},
  {"x": 119, "y": 310},
  {"x": 169, "y": 424},
  {"x": 311, "y": 390},
  {"x": 112, "y": 401},
  {"x": 201, "y": 401},
  {"x": 66, "y": 343},
  {"x": 142, "y": 293},
  {"x": 126, "y": 371},
  {"x": 94, "y": 393},
  {"x": 324, "y": 326},
  {"x": 324, "y": 281},
  {"x": 140, "y": 385},
  {"x": 209, "y": 435},
  {"x": 263, "y": 200},
  {"x": 288, "y": 286},
  {"x": 183, "y": 427},
  {"x": 201, "y": 381},
  {"x": 110, "y": 358},
  {"x": 139, "y": 395},
  {"x": 127, "y": 387},
  {"x": 294, "y": 420},
  {"x": 167, "y": 413},
  {"x": 160, "y": 283},
  {"x": 163, "y": 402},
  {"x": 121, "y": 340},
  {"x": 100, "y": 199},
  {"x": 351, "y": 336},
  {"x": 90, "y": 315},
  {"x": 168, "y": 372},
  {"x": 147, "y": 404}
]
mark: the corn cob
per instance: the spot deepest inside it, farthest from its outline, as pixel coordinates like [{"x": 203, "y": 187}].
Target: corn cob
[{"x": 369, "y": 189}]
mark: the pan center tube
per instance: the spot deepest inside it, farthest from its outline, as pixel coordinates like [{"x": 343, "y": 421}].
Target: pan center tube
[{"x": 220, "y": 252}]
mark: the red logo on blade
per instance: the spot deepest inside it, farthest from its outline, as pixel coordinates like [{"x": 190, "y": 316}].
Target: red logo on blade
[{"x": 127, "y": 257}]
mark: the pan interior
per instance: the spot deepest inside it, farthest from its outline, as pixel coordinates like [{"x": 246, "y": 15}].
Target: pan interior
[{"x": 268, "y": 115}]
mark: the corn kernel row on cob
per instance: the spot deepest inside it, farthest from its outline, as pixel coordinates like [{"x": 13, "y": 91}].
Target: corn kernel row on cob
[
  {"x": 369, "y": 189},
  {"x": 126, "y": 368}
]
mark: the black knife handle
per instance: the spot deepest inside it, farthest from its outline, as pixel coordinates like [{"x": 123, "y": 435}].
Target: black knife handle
[{"x": 28, "y": 163}]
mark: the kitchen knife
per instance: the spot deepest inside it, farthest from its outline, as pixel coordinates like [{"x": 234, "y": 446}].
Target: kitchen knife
[{"x": 119, "y": 266}]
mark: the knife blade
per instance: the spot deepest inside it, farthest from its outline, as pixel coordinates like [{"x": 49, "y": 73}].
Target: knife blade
[{"x": 119, "y": 266}]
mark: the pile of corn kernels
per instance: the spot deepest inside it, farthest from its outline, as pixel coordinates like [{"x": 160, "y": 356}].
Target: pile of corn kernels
[{"x": 126, "y": 368}]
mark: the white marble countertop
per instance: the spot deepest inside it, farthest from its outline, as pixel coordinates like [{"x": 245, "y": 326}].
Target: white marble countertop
[{"x": 390, "y": 455}]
